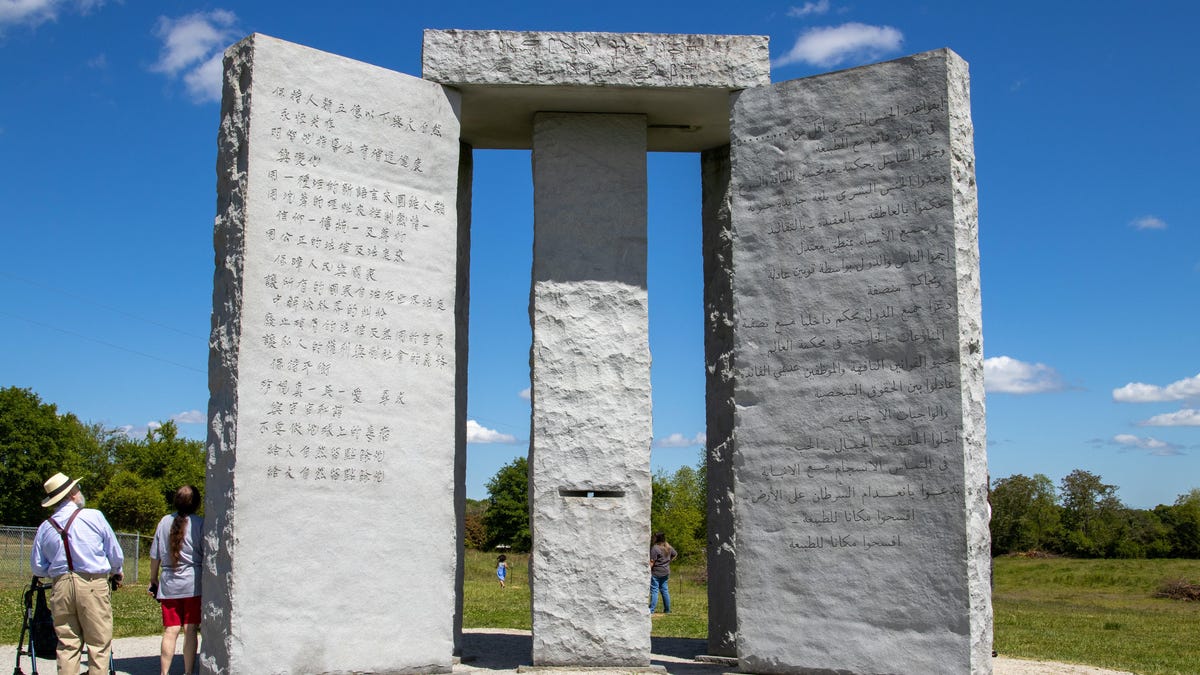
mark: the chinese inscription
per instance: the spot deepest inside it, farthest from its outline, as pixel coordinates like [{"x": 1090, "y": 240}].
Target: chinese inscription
[{"x": 347, "y": 319}]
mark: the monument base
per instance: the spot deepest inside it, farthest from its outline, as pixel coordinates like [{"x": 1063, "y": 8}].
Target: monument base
[{"x": 593, "y": 670}]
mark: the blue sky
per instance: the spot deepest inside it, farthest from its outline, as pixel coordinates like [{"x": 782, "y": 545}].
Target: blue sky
[{"x": 1086, "y": 157}]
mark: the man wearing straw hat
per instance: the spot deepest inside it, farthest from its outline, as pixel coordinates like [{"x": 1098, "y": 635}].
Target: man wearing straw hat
[{"x": 78, "y": 549}]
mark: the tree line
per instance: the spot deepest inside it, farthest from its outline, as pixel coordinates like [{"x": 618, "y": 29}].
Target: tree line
[
  {"x": 1084, "y": 518},
  {"x": 677, "y": 509},
  {"x": 130, "y": 479}
]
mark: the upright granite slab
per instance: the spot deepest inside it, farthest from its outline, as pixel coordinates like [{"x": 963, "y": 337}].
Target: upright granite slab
[
  {"x": 719, "y": 381},
  {"x": 590, "y": 105},
  {"x": 859, "y": 472},
  {"x": 590, "y": 371},
  {"x": 333, "y": 442}
]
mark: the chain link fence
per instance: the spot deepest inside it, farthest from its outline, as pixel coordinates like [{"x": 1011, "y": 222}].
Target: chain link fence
[{"x": 17, "y": 542}]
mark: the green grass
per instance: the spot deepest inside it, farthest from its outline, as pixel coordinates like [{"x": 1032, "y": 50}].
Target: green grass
[
  {"x": 486, "y": 605},
  {"x": 134, "y": 613},
  {"x": 1097, "y": 612}
]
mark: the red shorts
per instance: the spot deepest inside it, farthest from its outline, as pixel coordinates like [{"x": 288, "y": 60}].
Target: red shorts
[{"x": 181, "y": 611}]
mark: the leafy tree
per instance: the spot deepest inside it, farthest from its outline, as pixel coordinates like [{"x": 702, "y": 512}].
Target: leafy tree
[
  {"x": 1025, "y": 514},
  {"x": 93, "y": 460},
  {"x": 35, "y": 443},
  {"x": 1092, "y": 515},
  {"x": 1186, "y": 534},
  {"x": 1143, "y": 535},
  {"x": 677, "y": 508},
  {"x": 163, "y": 458},
  {"x": 1182, "y": 520},
  {"x": 131, "y": 502},
  {"x": 474, "y": 531},
  {"x": 507, "y": 517}
]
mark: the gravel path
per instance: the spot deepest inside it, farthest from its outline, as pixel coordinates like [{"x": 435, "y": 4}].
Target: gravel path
[{"x": 495, "y": 650}]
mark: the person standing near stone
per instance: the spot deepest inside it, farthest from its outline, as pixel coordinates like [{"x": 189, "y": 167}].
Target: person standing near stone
[
  {"x": 661, "y": 555},
  {"x": 77, "y": 548},
  {"x": 175, "y": 557}
]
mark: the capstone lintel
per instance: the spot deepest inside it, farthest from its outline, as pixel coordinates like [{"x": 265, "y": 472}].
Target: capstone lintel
[{"x": 681, "y": 83}]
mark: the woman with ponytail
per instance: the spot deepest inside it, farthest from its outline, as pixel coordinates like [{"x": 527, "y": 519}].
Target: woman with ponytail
[{"x": 175, "y": 557}]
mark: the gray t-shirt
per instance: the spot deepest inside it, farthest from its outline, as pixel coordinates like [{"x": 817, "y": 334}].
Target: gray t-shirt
[
  {"x": 662, "y": 555},
  {"x": 181, "y": 580}
]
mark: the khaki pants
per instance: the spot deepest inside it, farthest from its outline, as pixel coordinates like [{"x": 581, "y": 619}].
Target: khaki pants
[{"x": 82, "y": 616}]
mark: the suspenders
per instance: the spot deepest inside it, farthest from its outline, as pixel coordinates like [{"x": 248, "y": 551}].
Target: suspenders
[{"x": 62, "y": 532}]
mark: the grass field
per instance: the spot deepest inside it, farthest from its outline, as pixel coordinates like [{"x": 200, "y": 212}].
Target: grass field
[
  {"x": 1098, "y": 612},
  {"x": 486, "y": 605}
]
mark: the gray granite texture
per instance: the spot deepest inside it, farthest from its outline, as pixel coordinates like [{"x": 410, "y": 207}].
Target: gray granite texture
[
  {"x": 860, "y": 479},
  {"x": 595, "y": 59},
  {"x": 681, "y": 83},
  {"x": 590, "y": 367},
  {"x": 462, "y": 305},
  {"x": 332, "y": 448},
  {"x": 719, "y": 408}
]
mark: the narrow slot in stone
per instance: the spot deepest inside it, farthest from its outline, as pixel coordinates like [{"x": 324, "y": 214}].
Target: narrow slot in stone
[{"x": 591, "y": 494}]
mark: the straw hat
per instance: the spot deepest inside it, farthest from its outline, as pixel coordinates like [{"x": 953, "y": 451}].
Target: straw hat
[{"x": 57, "y": 487}]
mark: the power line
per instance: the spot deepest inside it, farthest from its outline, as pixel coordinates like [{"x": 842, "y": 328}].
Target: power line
[
  {"x": 102, "y": 342},
  {"x": 98, "y": 304}
]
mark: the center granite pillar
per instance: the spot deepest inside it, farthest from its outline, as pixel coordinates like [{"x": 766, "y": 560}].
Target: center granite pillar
[{"x": 590, "y": 364}]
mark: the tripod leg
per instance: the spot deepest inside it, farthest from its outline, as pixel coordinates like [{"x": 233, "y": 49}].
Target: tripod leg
[{"x": 25, "y": 631}]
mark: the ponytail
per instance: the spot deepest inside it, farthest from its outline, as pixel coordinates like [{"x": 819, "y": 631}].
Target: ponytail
[{"x": 187, "y": 500}]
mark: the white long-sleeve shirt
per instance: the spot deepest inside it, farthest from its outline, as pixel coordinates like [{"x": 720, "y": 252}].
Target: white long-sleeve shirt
[{"x": 94, "y": 547}]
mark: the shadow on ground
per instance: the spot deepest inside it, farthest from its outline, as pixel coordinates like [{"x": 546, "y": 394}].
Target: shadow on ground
[
  {"x": 487, "y": 651},
  {"x": 499, "y": 651}
]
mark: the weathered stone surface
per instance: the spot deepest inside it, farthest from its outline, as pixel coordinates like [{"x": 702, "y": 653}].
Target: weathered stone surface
[
  {"x": 679, "y": 82},
  {"x": 590, "y": 365},
  {"x": 595, "y": 59},
  {"x": 859, "y": 469},
  {"x": 332, "y": 442},
  {"x": 719, "y": 382},
  {"x": 462, "y": 305}
]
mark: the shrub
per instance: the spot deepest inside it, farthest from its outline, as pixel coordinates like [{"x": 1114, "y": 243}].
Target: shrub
[{"x": 1178, "y": 589}]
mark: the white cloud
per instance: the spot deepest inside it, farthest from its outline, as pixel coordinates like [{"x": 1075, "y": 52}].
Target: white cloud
[
  {"x": 477, "y": 433},
  {"x": 1187, "y": 417},
  {"x": 190, "y": 417},
  {"x": 34, "y": 12},
  {"x": 205, "y": 81},
  {"x": 137, "y": 433},
  {"x": 1005, "y": 375},
  {"x": 833, "y": 45},
  {"x": 1151, "y": 445},
  {"x": 1149, "y": 223},
  {"x": 1138, "y": 392},
  {"x": 818, "y": 7},
  {"x": 526, "y": 394},
  {"x": 192, "y": 49},
  {"x": 681, "y": 441},
  {"x": 185, "y": 417}
]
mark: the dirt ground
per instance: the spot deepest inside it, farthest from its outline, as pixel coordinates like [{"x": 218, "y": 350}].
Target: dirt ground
[
  {"x": 499, "y": 650},
  {"x": 493, "y": 650}
]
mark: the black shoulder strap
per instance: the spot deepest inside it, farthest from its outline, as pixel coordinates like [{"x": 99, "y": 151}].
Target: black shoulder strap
[{"x": 62, "y": 532}]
